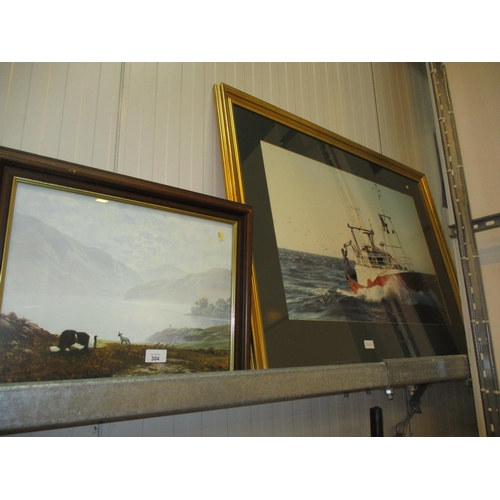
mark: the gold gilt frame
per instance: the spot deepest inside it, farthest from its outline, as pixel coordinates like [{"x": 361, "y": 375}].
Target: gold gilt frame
[{"x": 282, "y": 337}]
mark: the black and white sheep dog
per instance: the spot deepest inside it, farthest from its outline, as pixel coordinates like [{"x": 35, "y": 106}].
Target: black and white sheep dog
[{"x": 71, "y": 338}]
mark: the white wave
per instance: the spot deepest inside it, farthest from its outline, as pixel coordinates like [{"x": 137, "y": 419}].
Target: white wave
[{"x": 394, "y": 288}]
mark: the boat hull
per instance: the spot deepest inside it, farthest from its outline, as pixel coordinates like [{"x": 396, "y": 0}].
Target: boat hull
[{"x": 369, "y": 277}]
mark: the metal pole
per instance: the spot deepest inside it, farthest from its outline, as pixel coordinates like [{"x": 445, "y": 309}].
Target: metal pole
[
  {"x": 488, "y": 381},
  {"x": 376, "y": 422}
]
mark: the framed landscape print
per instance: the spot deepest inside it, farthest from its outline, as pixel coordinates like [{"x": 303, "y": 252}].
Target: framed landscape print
[
  {"x": 350, "y": 264},
  {"x": 105, "y": 275}
]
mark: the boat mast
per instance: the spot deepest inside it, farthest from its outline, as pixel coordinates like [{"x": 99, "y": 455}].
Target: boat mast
[{"x": 392, "y": 244}]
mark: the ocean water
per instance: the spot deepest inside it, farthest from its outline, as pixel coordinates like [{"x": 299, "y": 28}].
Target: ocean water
[
  {"x": 104, "y": 316},
  {"x": 316, "y": 289}
]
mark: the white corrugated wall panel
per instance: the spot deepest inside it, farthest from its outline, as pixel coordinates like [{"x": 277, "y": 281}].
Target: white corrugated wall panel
[
  {"x": 282, "y": 422},
  {"x": 158, "y": 120},
  {"x": 138, "y": 120},
  {"x": 239, "y": 421},
  {"x": 407, "y": 126},
  {"x": 14, "y": 88},
  {"x": 214, "y": 423},
  {"x": 65, "y": 111},
  {"x": 168, "y": 127}
]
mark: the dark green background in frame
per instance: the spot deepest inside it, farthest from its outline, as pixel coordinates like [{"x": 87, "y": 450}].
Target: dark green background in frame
[{"x": 307, "y": 343}]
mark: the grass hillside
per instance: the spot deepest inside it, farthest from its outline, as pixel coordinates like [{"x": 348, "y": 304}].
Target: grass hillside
[
  {"x": 216, "y": 337},
  {"x": 25, "y": 356}
]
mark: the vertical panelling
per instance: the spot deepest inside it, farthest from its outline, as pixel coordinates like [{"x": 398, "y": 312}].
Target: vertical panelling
[
  {"x": 368, "y": 111},
  {"x": 258, "y": 79},
  {"x": 345, "y": 92},
  {"x": 189, "y": 130},
  {"x": 426, "y": 149},
  {"x": 332, "y": 97},
  {"x": 213, "y": 181},
  {"x": 262, "y": 420},
  {"x": 407, "y": 126},
  {"x": 79, "y": 114},
  {"x": 107, "y": 116},
  {"x": 343, "y": 415},
  {"x": 302, "y": 92},
  {"x": 327, "y": 82},
  {"x": 65, "y": 111},
  {"x": 163, "y": 128},
  {"x": 320, "y": 417},
  {"x": 361, "y": 110},
  {"x": 302, "y": 418},
  {"x": 16, "y": 79},
  {"x": 214, "y": 423},
  {"x": 80, "y": 105},
  {"x": 334, "y": 421},
  {"x": 388, "y": 110},
  {"x": 405, "y": 114},
  {"x": 189, "y": 425},
  {"x": 283, "y": 80},
  {"x": 158, "y": 427},
  {"x": 357, "y": 418},
  {"x": 44, "y": 109},
  {"x": 267, "y": 83},
  {"x": 282, "y": 419},
  {"x": 128, "y": 428},
  {"x": 239, "y": 421},
  {"x": 164, "y": 117},
  {"x": 191, "y": 140},
  {"x": 138, "y": 121},
  {"x": 168, "y": 121}
]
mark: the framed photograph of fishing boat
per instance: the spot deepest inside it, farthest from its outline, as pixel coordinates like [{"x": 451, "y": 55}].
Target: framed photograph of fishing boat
[
  {"x": 107, "y": 276},
  {"x": 350, "y": 264}
]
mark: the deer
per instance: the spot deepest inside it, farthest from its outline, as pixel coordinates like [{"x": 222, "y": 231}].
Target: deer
[{"x": 123, "y": 340}]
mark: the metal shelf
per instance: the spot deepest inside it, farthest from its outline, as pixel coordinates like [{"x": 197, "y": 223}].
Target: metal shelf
[{"x": 38, "y": 405}]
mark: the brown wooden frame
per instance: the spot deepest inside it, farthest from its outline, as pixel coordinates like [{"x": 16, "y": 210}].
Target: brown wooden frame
[{"x": 17, "y": 166}]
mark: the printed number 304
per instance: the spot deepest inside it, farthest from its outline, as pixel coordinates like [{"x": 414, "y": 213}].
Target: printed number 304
[{"x": 156, "y": 356}]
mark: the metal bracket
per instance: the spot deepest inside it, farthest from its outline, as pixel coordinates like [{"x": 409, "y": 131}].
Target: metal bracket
[
  {"x": 414, "y": 405},
  {"x": 479, "y": 224},
  {"x": 414, "y": 402}
]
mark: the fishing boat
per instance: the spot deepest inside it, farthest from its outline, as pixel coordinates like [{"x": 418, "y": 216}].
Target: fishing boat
[{"x": 376, "y": 264}]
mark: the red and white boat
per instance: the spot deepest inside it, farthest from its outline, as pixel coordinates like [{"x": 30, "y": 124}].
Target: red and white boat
[{"x": 376, "y": 264}]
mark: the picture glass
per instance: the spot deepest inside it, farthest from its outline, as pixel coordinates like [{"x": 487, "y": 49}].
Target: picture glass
[
  {"x": 102, "y": 287},
  {"x": 348, "y": 265},
  {"x": 365, "y": 256}
]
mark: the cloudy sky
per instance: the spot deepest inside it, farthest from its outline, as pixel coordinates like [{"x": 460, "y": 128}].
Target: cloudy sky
[
  {"x": 312, "y": 204},
  {"x": 138, "y": 236}
]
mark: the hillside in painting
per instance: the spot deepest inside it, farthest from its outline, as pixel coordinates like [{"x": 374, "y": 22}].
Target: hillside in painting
[
  {"x": 26, "y": 356},
  {"x": 44, "y": 260}
]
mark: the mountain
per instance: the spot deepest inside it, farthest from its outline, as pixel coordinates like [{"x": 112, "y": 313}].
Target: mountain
[
  {"x": 212, "y": 284},
  {"x": 165, "y": 272},
  {"x": 44, "y": 260}
]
